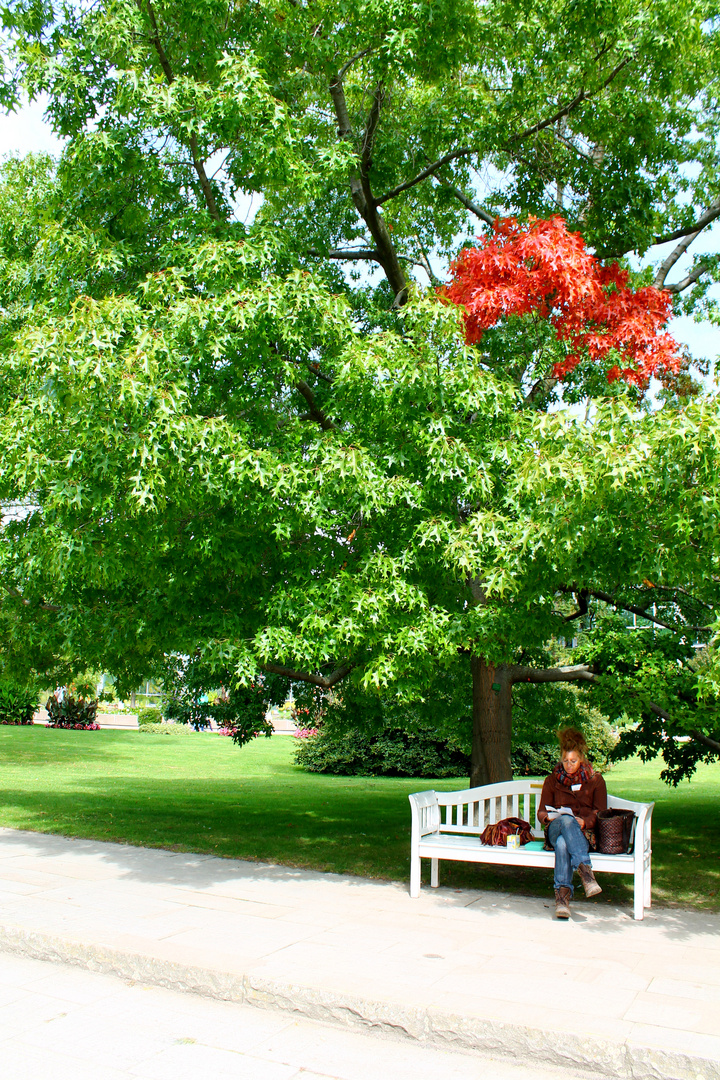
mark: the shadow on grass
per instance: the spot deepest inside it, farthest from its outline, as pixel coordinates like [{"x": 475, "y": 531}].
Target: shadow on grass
[
  {"x": 198, "y": 794},
  {"x": 185, "y": 838}
]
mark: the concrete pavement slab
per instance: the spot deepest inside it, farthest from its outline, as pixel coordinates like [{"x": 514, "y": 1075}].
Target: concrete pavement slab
[{"x": 455, "y": 967}]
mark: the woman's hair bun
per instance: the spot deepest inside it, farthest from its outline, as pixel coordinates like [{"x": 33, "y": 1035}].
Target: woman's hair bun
[{"x": 571, "y": 739}]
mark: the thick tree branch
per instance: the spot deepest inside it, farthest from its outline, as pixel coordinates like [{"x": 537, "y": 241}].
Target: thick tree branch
[
  {"x": 643, "y": 613},
  {"x": 361, "y": 190},
  {"x": 350, "y": 254},
  {"x": 147, "y": 8},
  {"x": 672, "y": 258},
  {"x": 712, "y": 212},
  {"x": 569, "y": 673},
  {"x": 17, "y": 595},
  {"x": 346, "y": 67},
  {"x": 542, "y": 124},
  {"x": 369, "y": 140},
  {"x": 207, "y": 190},
  {"x": 345, "y": 132},
  {"x": 467, "y": 150},
  {"x": 582, "y": 602},
  {"x": 692, "y": 277},
  {"x": 316, "y": 413},
  {"x": 542, "y": 386},
  {"x": 583, "y": 672},
  {"x": 632, "y": 608},
  {"x": 464, "y": 152},
  {"x": 326, "y": 682},
  {"x": 341, "y": 110},
  {"x": 712, "y": 744}
]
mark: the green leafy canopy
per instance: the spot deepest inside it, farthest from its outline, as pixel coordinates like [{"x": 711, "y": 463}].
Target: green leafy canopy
[{"x": 217, "y": 440}]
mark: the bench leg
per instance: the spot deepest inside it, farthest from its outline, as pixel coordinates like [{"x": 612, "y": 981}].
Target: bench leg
[
  {"x": 648, "y": 884},
  {"x": 414, "y": 876},
  {"x": 639, "y": 888},
  {"x": 434, "y": 876}
]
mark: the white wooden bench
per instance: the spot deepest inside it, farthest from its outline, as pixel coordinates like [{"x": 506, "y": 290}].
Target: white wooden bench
[{"x": 447, "y": 825}]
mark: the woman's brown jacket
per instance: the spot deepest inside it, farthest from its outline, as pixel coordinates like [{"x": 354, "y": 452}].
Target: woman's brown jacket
[{"x": 590, "y": 797}]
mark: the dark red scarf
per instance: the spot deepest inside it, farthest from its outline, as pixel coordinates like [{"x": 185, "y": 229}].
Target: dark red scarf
[{"x": 582, "y": 775}]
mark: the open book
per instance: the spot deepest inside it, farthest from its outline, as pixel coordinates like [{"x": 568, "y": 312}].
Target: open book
[{"x": 553, "y": 812}]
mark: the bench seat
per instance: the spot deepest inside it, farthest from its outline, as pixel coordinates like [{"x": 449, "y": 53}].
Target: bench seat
[{"x": 447, "y": 825}]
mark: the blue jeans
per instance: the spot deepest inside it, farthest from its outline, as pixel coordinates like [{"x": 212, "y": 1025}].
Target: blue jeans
[{"x": 571, "y": 849}]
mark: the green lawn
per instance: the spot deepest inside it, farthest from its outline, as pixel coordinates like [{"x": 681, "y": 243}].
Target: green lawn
[{"x": 200, "y": 793}]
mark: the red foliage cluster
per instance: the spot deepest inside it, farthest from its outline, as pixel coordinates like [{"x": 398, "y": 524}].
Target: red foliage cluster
[{"x": 543, "y": 268}]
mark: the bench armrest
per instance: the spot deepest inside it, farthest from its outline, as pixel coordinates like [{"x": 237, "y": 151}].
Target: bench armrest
[{"x": 425, "y": 813}]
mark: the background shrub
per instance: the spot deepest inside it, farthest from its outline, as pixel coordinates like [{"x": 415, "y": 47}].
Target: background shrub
[
  {"x": 161, "y": 728},
  {"x": 17, "y": 703},
  {"x": 534, "y": 759},
  {"x": 391, "y": 752},
  {"x": 149, "y": 715},
  {"x": 369, "y": 734}
]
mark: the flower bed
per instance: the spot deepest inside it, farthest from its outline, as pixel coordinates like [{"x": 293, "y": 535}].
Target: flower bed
[
  {"x": 77, "y": 714},
  {"x": 75, "y": 727}
]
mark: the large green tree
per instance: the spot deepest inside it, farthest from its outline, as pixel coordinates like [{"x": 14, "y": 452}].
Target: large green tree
[{"x": 240, "y": 430}]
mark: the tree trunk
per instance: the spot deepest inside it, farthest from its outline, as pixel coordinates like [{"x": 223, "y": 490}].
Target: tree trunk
[{"x": 492, "y": 723}]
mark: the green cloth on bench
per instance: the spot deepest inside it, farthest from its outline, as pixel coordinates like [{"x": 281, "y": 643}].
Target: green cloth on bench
[{"x": 534, "y": 845}]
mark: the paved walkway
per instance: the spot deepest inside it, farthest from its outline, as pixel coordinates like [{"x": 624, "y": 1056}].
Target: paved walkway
[
  {"x": 71, "y": 1024},
  {"x": 456, "y": 968}
]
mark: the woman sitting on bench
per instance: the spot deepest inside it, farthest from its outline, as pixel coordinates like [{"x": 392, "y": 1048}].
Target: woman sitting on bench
[{"x": 578, "y": 792}]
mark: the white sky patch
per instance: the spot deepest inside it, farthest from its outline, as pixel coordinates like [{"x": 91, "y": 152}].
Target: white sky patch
[
  {"x": 27, "y": 132},
  {"x": 245, "y": 205},
  {"x": 16, "y": 511}
]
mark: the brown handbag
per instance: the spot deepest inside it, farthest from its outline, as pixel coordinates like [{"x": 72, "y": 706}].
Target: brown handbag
[
  {"x": 496, "y": 835},
  {"x": 614, "y": 830}
]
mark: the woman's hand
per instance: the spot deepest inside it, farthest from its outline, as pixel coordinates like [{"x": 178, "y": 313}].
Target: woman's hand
[{"x": 581, "y": 822}]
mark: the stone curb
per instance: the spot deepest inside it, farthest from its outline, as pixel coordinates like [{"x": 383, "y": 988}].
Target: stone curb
[{"x": 624, "y": 1061}]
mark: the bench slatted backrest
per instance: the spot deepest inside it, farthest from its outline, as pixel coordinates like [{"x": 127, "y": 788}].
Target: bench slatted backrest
[{"x": 469, "y": 811}]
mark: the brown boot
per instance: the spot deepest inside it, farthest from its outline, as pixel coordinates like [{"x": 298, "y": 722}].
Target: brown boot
[
  {"x": 587, "y": 877},
  {"x": 562, "y": 903}
]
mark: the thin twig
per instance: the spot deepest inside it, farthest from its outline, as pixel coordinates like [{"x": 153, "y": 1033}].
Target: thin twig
[
  {"x": 571, "y": 105},
  {"x": 467, "y": 203}
]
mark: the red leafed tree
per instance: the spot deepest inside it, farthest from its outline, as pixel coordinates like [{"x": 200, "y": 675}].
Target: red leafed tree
[{"x": 543, "y": 268}]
